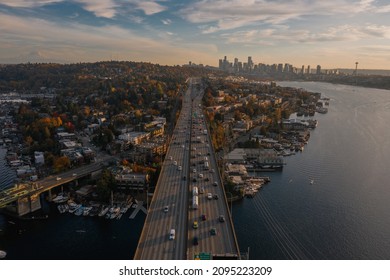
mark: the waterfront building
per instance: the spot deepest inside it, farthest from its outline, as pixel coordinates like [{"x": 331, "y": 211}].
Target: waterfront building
[{"x": 132, "y": 181}]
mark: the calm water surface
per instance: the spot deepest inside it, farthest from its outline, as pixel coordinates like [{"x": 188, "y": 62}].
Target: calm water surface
[{"x": 343, "y": 215}]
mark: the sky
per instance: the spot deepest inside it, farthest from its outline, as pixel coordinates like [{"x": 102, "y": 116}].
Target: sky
[{"x": 330, "y": 33}]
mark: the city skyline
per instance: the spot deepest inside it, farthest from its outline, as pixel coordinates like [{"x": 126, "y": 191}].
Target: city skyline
[{"x": 333, "y": 34}]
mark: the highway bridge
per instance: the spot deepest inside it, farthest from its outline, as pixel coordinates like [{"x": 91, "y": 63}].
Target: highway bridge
[
  {"x": 188, "y": 217},
  {"x": 24, "y": 198}
]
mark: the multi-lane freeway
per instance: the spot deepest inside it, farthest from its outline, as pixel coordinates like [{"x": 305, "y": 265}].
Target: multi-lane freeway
[{"x": 188, "y": 214}]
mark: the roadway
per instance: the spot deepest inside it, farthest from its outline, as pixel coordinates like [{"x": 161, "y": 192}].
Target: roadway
[
  {"x": 171, "y": 192},
  {"x": 26, "y": 189},
  {"x": 209, "y": 210},
  {"x": 174, "y": 192}
]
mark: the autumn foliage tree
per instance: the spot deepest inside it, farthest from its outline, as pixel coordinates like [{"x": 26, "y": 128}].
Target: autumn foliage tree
[{"x": 61, "y": 164}]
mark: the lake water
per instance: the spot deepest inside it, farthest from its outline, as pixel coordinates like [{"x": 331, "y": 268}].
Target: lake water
[{"x": 344, "y": 214}]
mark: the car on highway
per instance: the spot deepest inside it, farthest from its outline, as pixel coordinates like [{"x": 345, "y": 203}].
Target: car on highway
[
  {"x": 215, "y": 196},
  {"x": 184, "y": 178},
  {"x": 172, "y": 234},
  {"x": 221, "y": 218},
  {"x": 194, "y": 170},
  {"x": 74, "y": 174},
  {"x": 166, "y": 208},
  {"x": 213, "y": 231},
  {"x": 195, "y": 241},
  {"x": 175, "y": 162},
  {"x": 209, "y": 196},
  {"x": 203, "y": 217},
  {"x": 200, "y": 175},
  {"x": 195, "y": 225},
  {"x": 179, "y": 168},
  {"x": 201, "y": 190},
  {"x": 58, "y": 178},
  {"x": 215, "y": 184}
]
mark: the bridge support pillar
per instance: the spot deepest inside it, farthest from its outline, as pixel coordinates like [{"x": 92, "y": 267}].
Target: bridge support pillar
[
  {"x": 50, "y": 197},
  {"x": 28, "y": 204}
]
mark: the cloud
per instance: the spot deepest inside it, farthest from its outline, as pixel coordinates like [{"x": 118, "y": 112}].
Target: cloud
[
  {"x": 77, "y": 42},
  {"x": 219, "y": 15},
  {"x": 284, "y": 34},
  {"x": 106, "y": 8},
  {"x": 166, "y": 21},
  {"x": 148, "y": 7},
  {"x": 28, "y": 3}
]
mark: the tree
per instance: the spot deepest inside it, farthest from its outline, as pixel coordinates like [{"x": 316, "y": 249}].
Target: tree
[
  {"x": 61, "y": 164},
  {"x": 105, "y": 185}
]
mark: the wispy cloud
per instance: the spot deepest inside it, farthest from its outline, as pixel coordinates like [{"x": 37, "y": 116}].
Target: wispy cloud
[
  {"x": 106, "y": 8},
  {"x": 148, "y": 7},
  {"x": 166, "y": 21},
  {"x": 87, "y": 43},
  {"x": 219, "y": 15},
  {"x": 28, "y": 3},
  {"x": 273, "y": 36}
]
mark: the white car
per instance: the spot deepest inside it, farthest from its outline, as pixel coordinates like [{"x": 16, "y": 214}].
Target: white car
[
  {"x": 172, "y": 234},
  {"x": 209, "y": 196},
  {"x": 175, "y": 162},
  {"x": 179, "y": 168}
]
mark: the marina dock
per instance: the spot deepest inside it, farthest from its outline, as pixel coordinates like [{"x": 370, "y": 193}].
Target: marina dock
[{"x": 139, "y": 207}]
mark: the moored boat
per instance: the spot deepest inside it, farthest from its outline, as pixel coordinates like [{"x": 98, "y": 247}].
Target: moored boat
[{"x": 3, "y": 254}]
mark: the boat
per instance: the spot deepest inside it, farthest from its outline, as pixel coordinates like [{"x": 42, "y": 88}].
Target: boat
[
  {"x": 62, "y": 208},
  {"x": 79, "y": 211},
  {"x": 3, "y": 254},
  {"x": 74, "y": 207},
  {"x": 124, "y": 208},
  {"x": 103, "y": 211},
  {"x": 115, "y": 213},
  {"x": 61, "y": 198},
  {"x": 311, "y": 181},
  {"x": 86, "y": 211}
]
